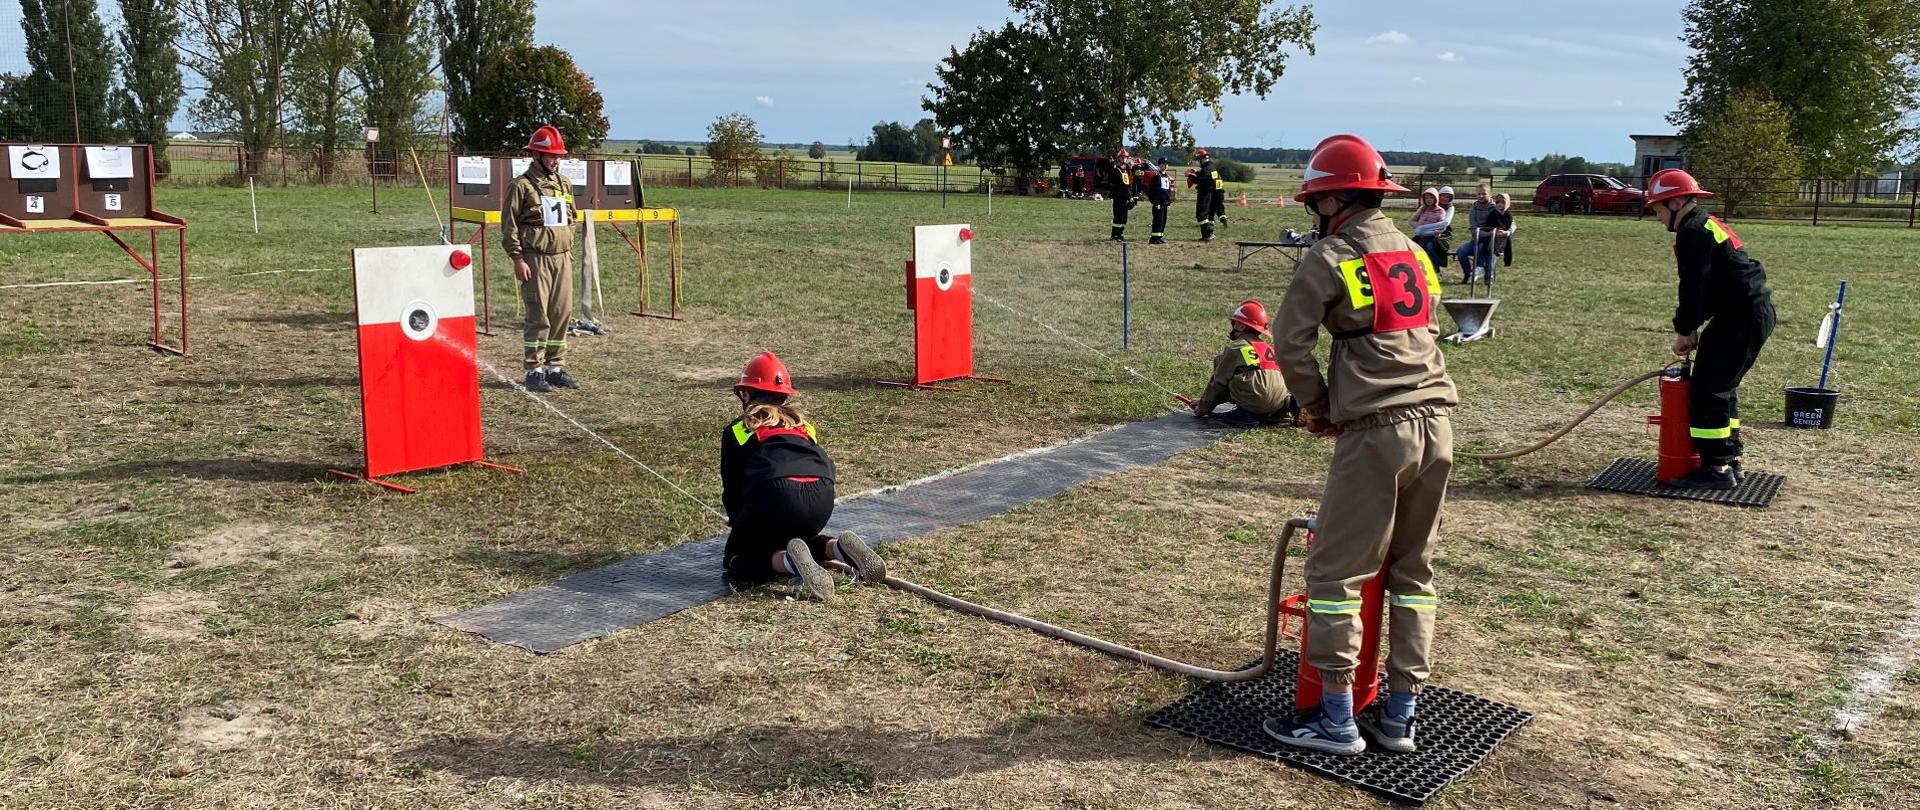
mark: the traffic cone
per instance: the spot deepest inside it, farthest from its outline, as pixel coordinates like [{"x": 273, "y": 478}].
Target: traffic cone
[
  {"x": 1243, "y": 199},
  {"x": 1279, "y": 201}
]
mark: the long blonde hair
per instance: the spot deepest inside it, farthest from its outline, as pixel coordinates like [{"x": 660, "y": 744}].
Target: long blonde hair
[{"x": 763, "y": 412}]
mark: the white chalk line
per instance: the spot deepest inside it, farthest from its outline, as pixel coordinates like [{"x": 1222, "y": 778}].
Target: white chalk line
[
  {"x": 602, "y": 439},
  {"x": 1874, "y": 681},
  {"x": 164, "y": 278}
]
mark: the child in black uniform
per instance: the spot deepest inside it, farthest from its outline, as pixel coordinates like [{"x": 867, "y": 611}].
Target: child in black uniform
[{"x": 777, "y": 485}]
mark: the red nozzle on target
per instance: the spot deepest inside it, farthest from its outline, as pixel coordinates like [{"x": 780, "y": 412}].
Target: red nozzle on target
[
  {"x": 460, "y": 259},
  {"x": 1183, "y": 400},
  {"x": 966, "y": 234}
]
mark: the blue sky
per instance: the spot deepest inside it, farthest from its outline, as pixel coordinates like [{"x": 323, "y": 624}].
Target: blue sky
[
  {"x": 1498, "y": 78},
  {"x": 1526, "y": 78}
]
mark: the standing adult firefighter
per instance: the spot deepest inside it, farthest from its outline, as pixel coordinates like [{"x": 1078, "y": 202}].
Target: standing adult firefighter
[
  {"x": 1386, "y": 396},
  {"x": 536, "y": 227},
  {"x": 1210, "y": 196},
  {"x": 1726, "y": 290},
  {"x": 1119, "y": 182},
  {"x": 1160, "y": 196},
  {"x": 1246, "y": 374}
]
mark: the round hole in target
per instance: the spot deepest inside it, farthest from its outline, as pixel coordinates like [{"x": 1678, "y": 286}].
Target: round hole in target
[
  {"x": 944, "y": 278},
  {"x": 419, "y": 320}
]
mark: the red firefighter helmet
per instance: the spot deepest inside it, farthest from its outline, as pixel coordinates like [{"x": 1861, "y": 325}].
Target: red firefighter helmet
[
  {"x": 1251, "y": 315},
  {"x": 765, "y": 373},
  {"x": 1123, "y": 154},
  {"x": 1667, "y": 184},
  {"x": 547, "y": 140},
  {"x": 1201, "y": 154},
  {"x": 1346, "y": 163}
]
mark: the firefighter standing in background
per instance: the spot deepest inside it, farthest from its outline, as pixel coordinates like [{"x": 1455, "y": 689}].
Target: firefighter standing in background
[
  {"x": 1210, "y": 196},
  {"x": 1387, "y": 396},
  {"x": 1725, "y": 289},
  {"x": 536, "y": 228},
  {"x": 1160, "y": 196},
  {"x": 1120, "y": 189}
]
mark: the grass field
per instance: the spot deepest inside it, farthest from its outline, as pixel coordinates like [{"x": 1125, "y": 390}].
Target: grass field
[{"x": 191, "y": 618}]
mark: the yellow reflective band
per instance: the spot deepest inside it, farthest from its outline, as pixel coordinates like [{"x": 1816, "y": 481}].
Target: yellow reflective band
[
  {"x": 1719, "y": 233},
  {"x": 1359, "y": 291},
  {"x": 740, "y": 433},
  {"x": 1416, "y": 602},
  {"x": 1248, "y": 356},
  {"x": 1733, "y": 423},
  {"x": 1433, "y": 278},
  {"x": 1711, "y": 433},
  {"x": 1334, "y": 607},
  {"x": 810, "y": 433},
  {"x": 1216, "y": 176}
]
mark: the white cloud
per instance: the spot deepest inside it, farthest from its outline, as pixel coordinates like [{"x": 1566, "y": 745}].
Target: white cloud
[
  {"x": 1389, "y": 38},
  {"x": 1619, "y": 103},
  {"x": 764, "y": 101},
  {"x": 1419, "y": 80},
  {"x": 1450, "y": 56}
]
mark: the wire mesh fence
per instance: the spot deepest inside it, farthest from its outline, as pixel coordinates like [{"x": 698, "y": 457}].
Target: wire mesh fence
[{"x": 1863, "y": 199}]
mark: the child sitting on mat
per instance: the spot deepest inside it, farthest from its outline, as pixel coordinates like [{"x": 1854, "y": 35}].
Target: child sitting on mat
[
  {"x": 1246, "y": 375},
  {"x": 777, "y": 486}
]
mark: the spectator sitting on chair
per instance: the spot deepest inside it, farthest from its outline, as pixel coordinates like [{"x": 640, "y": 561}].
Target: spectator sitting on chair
[
  {"x": 1476, "y": 220},
  {"x": 1490, "y": 239},
  {"x": 1433, "y": 222}
]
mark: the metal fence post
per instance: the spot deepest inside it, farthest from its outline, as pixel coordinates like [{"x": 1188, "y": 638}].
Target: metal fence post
[
  {"x": 1817, "y": 184},
  {"x": 858, "y": 177},
  {"x": 1913, "y": 205},
  {"x": 896, "y": 177},
  {"x": 689, "y": 171}
]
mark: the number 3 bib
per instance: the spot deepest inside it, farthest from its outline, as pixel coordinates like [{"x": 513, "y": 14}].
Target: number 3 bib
[{"x": 1400, "y": 285}]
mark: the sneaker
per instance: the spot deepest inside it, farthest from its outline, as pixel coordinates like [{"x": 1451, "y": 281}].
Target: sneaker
[
  {"x": 1156, "y": 241},
  {"x": 537, "y": 381},
  {"x": 1118, "y": 239},
  {"x": 1312, "y": 732},
  {"x": 1711, "y": 478},
  {"x": 1207, "y": 238},
  {"x": 867, "y": 564},
  {"x": 1739, "y": 475},
  {"x": 1385, "y": 731},
  {"x": 559, "y": 377},
  {"x": 809, "y": 579}
]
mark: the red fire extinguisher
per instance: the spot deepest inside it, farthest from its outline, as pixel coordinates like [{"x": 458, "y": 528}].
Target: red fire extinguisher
[
  {"x": 1366, "y": 678},
  {"x": 1677, "y": 458}
]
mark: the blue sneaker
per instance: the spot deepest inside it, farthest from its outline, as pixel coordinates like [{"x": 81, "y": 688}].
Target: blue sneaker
[
  {"x": 1386, "y": 731},
  {"x": 1312, "y": 732}
]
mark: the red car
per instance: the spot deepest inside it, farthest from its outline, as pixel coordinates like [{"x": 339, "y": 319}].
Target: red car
[{"x": 1576, "y": 193}]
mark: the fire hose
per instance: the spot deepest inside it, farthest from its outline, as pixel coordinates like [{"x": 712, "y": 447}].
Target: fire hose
[
  {"x": 1121, "y": 651},
  {"x": 1274, "y": 585}
]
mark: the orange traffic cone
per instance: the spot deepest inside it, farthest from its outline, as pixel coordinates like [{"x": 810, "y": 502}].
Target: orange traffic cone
[
  {"x": 1280, "y": 201},
  {"x": 1243, "y": 199}
]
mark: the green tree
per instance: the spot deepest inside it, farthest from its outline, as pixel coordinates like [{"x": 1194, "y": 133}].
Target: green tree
[
  {"x": 16, "y": 115},
  {"x": 733, "y": 141},
  {"x": 526, "y": 87},
  {"x": 777, "y": 170},
  {"x": 243, "y": 51},
  {"x": 1013, "y": 100},
  {"x": 148, "y": 32},
  {"x": 395, "y": 67},
  {"x": 326, "y": 96},
  {"x": 1844, "y": 71},
  {"x": 68, "y": 88},
  {"x": 1742, "y": 149},
  {"x": 692, "y": 151},
  {"x": 890, "y": 141},
  {"x": 817, "y": 151},
  {"x": 1142, "y": 64},
  {"x": 474, "y": 35}
]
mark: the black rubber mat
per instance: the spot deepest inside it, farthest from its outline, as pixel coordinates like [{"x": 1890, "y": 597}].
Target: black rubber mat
[
  {"x": 636, "y": 591},
  {"x": 1456, "y": 731},
  {"x": 1636, "y": 476}
]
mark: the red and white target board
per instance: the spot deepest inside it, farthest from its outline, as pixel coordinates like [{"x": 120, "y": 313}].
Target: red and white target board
[
  {"x": 940, "y": 293},
  {"x": 419, "y": 384}
]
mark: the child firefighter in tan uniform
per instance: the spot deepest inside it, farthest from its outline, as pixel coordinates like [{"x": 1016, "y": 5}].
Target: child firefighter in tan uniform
[
  {"x": 536, "y": 228},
  {"x": 1386, "y": 395},
  {"x": 1246, "y": 374}
]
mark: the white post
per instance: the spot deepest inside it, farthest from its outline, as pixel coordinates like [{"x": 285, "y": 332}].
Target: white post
[
  {"x": 989, "y": 198},
  {"x": 589, "y": 267},
  {"x": 255, "y": 202},
  {"x": 849, "y": 194}
]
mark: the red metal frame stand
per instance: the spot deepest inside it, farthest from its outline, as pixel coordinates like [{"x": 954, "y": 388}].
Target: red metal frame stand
[{"x": 406, "y": 490}]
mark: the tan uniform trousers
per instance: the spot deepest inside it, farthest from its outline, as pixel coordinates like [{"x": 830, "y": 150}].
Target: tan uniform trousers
[
  {"x": 548, "y": 298},
  {"x": 1384, "y": 490}
]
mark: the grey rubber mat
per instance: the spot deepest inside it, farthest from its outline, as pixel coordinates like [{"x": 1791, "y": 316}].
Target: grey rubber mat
[
  {"x": 1636, "y": 476},
  {"x": 636, "y": 591},
  {"x": 1455, "y": 732}
]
